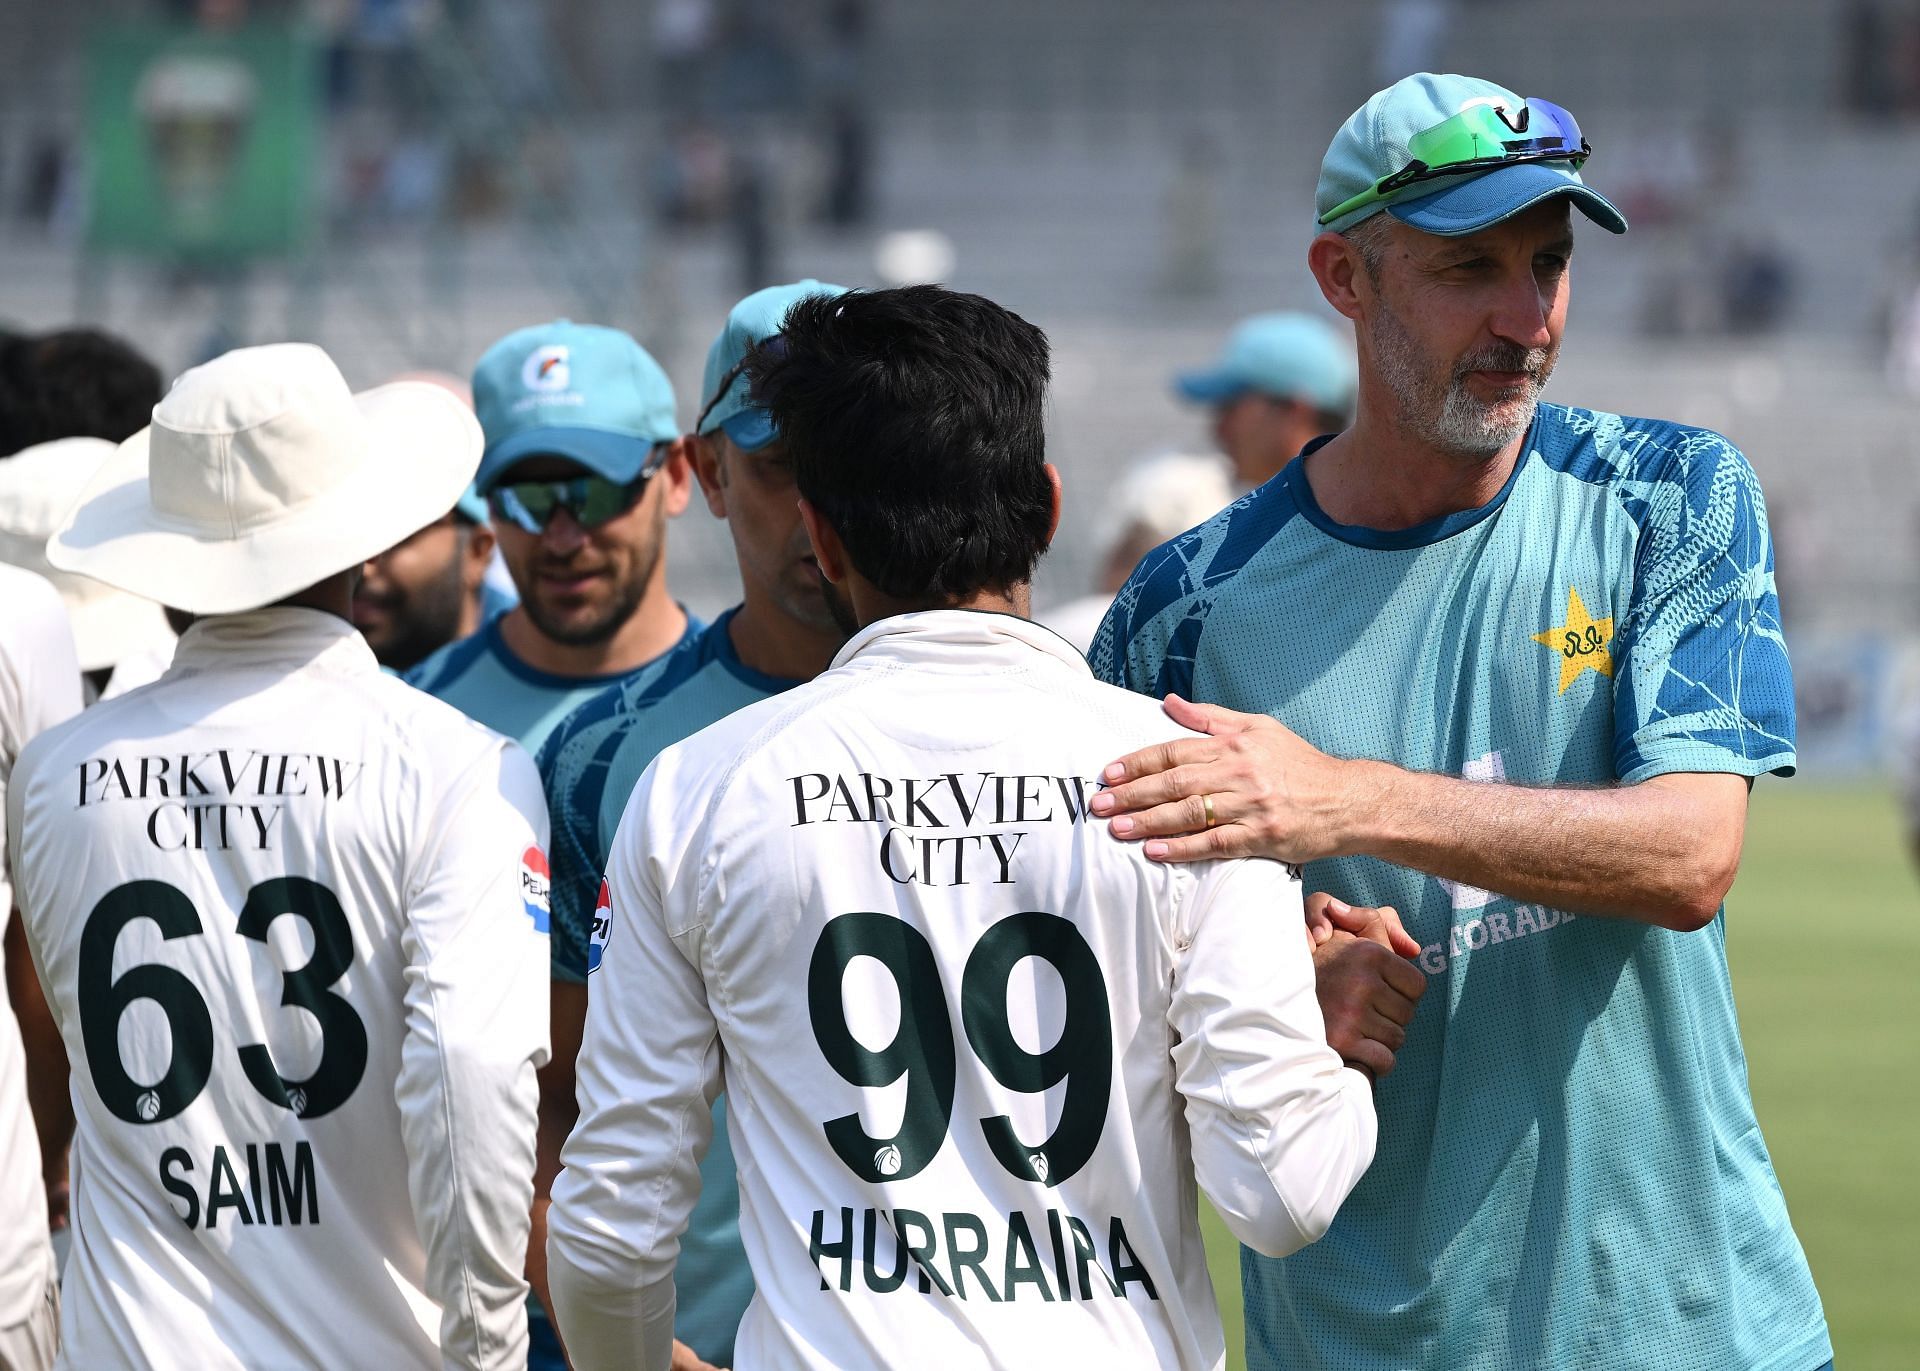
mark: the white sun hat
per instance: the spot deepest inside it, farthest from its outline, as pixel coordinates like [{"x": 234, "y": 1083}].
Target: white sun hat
[
  {"x": 38, "y": 485},
  {"x": 261, "y": 475}
]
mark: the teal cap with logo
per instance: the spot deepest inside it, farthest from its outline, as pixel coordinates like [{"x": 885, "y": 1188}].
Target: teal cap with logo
[
  {"x": 580, "y": 391},
  {"x": 1287, "y": 356},
  {"x": 724, "y": 388},
  {"x": 1452, "y": 155}
]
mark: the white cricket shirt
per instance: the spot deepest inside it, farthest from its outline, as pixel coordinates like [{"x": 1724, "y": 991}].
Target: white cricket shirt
[
  {"x": 39, "y": 686},
  {"x": 290, "y": 916},
  {"x": 976, "y": 1051}
]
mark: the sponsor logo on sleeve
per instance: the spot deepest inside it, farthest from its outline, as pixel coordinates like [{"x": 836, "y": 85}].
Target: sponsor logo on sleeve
[
  {"x": 535, "y": 888},
  {"x": 602, "y": 926}
]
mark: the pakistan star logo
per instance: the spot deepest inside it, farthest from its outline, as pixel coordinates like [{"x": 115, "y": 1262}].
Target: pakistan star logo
[{"x": 1581, "y": 642}]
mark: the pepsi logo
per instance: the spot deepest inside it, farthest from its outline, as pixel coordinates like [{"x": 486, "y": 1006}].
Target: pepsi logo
[
  {"x": 536, "y": 886},
  {"x": 602, "y": 926}
]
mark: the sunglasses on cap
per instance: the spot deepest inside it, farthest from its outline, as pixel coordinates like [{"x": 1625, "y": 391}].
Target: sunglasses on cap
[
  {"x": 591, "y": 500},
  {"x": 1479, "y": 138}
]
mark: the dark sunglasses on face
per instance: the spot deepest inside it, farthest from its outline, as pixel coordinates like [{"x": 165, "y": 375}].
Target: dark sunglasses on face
[{"x": 591, "y": 500}]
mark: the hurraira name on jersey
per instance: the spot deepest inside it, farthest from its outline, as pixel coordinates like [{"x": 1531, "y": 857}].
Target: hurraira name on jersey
[
  {"x": 223, "y": 798},
  {"x": 969, "y": 1256},
  {"x": 917, "y": 846}
]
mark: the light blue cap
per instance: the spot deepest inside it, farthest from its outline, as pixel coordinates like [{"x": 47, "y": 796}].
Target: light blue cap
[
  {"x": 1288, "y": 356},
  {"x": 752, "y": 321},
  {"x": 579, "y": 391},
  {"x": 472, "y": 505},
  {"x": 1373, "y": 143}
]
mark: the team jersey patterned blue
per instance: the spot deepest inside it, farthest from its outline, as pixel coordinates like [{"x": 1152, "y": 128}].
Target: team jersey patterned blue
[
  {"x": 1569, "y": 1170},
  {"x": 590, "y": 764}
]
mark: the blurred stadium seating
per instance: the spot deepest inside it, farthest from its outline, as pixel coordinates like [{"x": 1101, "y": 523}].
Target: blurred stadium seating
[{"x": 1132, "y": 175}]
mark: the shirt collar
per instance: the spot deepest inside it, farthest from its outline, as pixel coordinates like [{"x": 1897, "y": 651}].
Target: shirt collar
[
  {"x": 957, "y": 637},
  {"x": 279, "y": 635}
]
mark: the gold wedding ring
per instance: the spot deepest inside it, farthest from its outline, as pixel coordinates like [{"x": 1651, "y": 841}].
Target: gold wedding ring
[{"x": 1206, "y": 803}]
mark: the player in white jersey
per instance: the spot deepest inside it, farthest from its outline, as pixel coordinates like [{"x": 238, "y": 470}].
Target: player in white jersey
[
  {"x": 977, "y": 1058},
  {"x": 289, "y": 912},
  {"x": 39, "y": 687}
]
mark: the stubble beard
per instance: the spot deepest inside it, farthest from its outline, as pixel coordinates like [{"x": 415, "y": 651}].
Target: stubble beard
[
  {"x": 597, "y": 628},
  {"x": 1447, "y": 416},
  {"x": 425, "y": 620}
]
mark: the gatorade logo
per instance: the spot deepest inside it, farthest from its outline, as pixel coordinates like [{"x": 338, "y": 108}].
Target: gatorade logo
[
  {"x": 547, "y": 368},
  {"x": 602, "y": 926},
  {"x": 535, "y": 888}
]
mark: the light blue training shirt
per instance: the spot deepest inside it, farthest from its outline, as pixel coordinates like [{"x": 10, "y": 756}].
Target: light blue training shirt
[
  {"x": 1569, "y": 1171},
  {"x": 590, "y": 764},
  {"x": 480, "y": 676}
]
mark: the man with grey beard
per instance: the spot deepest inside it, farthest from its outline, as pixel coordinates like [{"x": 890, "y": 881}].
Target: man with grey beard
[{"x": 1510, "y": 669}]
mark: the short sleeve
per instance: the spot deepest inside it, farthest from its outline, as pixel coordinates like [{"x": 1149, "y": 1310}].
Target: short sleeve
[
  {"x": 1131, "y": 647},
  {"x": 1703, "y": 682}
]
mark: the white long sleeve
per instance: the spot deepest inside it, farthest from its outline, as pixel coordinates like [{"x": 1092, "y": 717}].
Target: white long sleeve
[
  {"x": 648, "y": 1073},
  {"x": 476, "y": 1030},
  {"x": 976, "y": 1053},
  {"x": 39, "y": 687},
  {"x": 1281, "y": 1129}
]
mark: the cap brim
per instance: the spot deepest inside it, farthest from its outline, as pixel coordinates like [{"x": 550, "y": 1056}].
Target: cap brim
[
  {"x": 751, "y": 429},
  {"x": 616, "y": 456},
  {"x": 423, "y": 444},
  {"x": 1485, "y": 200},
  {"x": 1210, "y": 387}
]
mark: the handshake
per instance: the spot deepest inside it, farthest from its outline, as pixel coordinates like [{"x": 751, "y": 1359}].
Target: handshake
[{"x": 1367, "y": 985}]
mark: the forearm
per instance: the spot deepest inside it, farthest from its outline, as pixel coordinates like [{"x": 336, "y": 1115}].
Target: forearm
[
  {"x": 1652, "y": 852},
  {"x": 1280, "y": 1131}
]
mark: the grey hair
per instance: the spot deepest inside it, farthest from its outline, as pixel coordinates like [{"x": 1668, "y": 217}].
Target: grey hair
[{"x": 1369, "y": 238}]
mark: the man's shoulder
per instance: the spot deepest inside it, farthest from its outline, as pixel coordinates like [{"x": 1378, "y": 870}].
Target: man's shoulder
[
  {"x": 707, "y": 756},
  {"x": 1634, "y": 452},
  {"x": 438, "y": 672},
  {"x": 1120, "y": 718},
  {"x": 57, "y": 744},
  {"x": 1194, "y": 566},
  {"x": 425, "y": 717}
]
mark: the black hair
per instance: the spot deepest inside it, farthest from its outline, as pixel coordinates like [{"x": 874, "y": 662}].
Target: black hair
[
  {"x": 73, "y": 383},
  {"x": 915, "y": 419}
]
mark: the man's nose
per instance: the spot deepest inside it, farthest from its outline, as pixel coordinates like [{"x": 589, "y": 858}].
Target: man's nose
[
  {"x": 563, "y": 534},
  {"x": 1520, "y": 314}
]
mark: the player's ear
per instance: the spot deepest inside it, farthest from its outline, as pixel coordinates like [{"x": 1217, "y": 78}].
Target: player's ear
[
  {"x": 478, "y": 554},
  {"x": 1053, "y": 520},
  {"x": 828, "y": 550},
  {"x": 707, "y": 459},
  {"x": 677, "y": 475},
  {"x": 1336, "y": 264}
]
